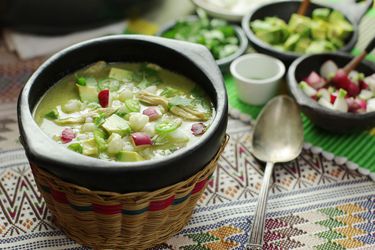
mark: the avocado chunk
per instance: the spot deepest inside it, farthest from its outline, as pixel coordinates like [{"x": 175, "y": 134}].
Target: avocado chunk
[
  {"x": 89, "y": 147},
  {"x": 116, "y": 124},
  {"x": 88, "y": 93},
  {"x": 120, "y": 74},
  {"x": 129, "y": 156},
  {"x": 291, "y": 42},
  {"x": 321, "y": 14},
  {"x": 300, "y": 24},
  {"x": 302, "y": 45}
]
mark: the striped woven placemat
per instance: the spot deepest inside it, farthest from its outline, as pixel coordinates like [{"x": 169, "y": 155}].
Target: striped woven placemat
[{"x": 358, "y": 147}]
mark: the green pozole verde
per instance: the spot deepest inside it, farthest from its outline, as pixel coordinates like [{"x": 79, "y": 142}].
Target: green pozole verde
[{"x": 124, "y": 111}]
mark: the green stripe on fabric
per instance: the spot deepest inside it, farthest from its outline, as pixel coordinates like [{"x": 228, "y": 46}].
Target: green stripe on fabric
[
  {"x": 370, "y": 57},
  {"x": 358, "y": 147}
]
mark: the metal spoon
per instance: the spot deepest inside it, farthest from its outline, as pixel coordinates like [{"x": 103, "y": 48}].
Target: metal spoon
[{"x": 277, "y": 137}]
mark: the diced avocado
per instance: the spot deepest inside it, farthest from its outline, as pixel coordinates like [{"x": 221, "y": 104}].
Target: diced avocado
[
  {"x": 336, "y": 16},
  {"x": 270, "y": 31},
  {"x": 89, "y": 147},
  {"x": 320, "y": 46},
  {"x": 120, "y": 74},
  {"x": 339, "y": 30},
  {"x": 291, "y": 42},
  {"x": 88, "y": 93},
  {"x": 129, "y": 156},
  {"x": 302, "y": 45},
  {"x": 299, "y": 24},
  {"x": 319, "y": 30},
  {"x": 320, "y": 14},
  {"x": 116, "y": 124},
  {"x": 337, "y": 42}
]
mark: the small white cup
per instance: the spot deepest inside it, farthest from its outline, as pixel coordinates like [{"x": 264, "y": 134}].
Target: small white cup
[{"x": 257, "y": 77}]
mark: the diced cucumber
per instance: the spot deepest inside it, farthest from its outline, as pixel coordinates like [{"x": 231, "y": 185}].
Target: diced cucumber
[
  {"x": 129, "y": 156},
  {"x": 116, "y": 124},
  {"x": 88, "y": 93},
  {"x": 120, "y": 74},
  {"x": 99, "y": 137}
]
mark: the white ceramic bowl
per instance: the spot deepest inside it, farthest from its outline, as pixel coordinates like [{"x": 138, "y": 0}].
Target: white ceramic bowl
[
  {"x": 257, "y": 77},
  {"x": 223, "y": 13}
]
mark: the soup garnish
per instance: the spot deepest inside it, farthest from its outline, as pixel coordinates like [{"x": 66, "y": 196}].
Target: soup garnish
[{"x": 124, "y": 111}]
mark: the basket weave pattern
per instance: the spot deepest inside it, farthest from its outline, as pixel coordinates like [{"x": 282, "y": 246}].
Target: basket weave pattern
[{"x": 107, "y": 220}]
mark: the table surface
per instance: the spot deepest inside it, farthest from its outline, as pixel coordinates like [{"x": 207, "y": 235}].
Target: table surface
[{"x": 319, "y": 201}]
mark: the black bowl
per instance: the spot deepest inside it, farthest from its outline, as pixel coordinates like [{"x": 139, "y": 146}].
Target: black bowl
[
  {"x": 330, "y": 120},
  {"x": 284, "y": 9},
  {"x": 59, "y": 17},
  {"x": 223, "y": 63},
  {"x": 191, "y": 60}
]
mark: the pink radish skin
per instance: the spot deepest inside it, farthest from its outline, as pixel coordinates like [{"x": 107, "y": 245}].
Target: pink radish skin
[{"x": 141, "y": 139}]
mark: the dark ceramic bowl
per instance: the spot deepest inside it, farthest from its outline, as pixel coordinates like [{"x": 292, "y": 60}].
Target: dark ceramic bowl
[
  {"x": 284, "y": 9},
  {"x": 191, "y": 60},
  {"x": 325, "y": 118},
  {"x": 59, "y": 17},
  {"x": 223, "y": 63}
]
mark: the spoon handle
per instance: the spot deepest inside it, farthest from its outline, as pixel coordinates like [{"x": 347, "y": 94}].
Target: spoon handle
[{"x": 257, "y": 230}]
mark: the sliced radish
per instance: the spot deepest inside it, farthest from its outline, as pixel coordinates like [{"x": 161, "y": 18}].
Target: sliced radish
[
  {"x": 103, "y": 97},
  {"x": 340, "y": 102},
  {"x": 333, "y": 97},
  {"x": 310, "y": 91},
  {"x": 141, "y": 139},
  {"x": 365, "y": 94},
  {"x": 67, "y": 135},
  {"x": 342, "y": 80},
  {"x": 152, "y": 113},
  {"x": 198, "y": 128},
  {"x": 315, "y": 80},
  {"x": 323, "y": 93},
  {"x": 325, "y": 103},
  {"x": 328, "y": 69}
]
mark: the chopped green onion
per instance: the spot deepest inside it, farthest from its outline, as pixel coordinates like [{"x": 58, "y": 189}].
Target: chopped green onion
[
  {"x": 133, "y": 105},
  {"x": 167, "y": 125}
]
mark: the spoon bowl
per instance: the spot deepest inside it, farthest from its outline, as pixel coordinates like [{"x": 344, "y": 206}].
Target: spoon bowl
[
  {"x": 278, "y": 133},
  {"x": 277, "y": 137}
]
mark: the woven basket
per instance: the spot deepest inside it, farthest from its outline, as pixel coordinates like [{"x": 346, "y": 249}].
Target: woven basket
[{"x": 107, "y": 220}]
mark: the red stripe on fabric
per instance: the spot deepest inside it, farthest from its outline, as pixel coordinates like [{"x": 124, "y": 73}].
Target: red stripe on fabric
[
  {"x": 159, "y": 205},
  {"x": 105, "y": 209},
  {"x": 199, "y": 186},
  {"x": 59, "y": 196}
]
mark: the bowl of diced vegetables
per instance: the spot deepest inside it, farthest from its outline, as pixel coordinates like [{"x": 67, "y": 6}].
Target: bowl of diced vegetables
[
  {"x": 331, "y": 100},
  {"x": 225, "y": 41},
  {"x": 276, "y": 29}
]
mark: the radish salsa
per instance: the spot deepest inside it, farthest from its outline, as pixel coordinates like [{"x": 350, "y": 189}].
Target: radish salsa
[
  {"x": 124, "y": 111},
  {"x": 337, "y": 90}
]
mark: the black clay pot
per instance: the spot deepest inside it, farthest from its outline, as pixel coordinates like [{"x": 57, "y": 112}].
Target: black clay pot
[
  {"x": 59, "y": 17},
  {"x": 223, "y": 63},
  {"x": 327, "y": 119},
  {"x": 190, "y": 60},
  {"x": 284, "y": 9}
]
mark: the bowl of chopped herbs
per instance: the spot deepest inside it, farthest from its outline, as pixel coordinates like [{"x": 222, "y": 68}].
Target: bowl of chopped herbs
[{"x": 225, "y": 41}]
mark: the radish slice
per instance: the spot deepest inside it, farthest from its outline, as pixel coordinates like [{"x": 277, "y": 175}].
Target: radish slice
[
  {"x": 315, "y": 81},
  {"x": 328, "y": 69},
  {"x": 340, "y": 102},
  {"x": 141, "y": 139},
  {"x": 152, "y": 113},
  {"x": 333, "y": 97},
  {"x": 307, "y": 89},
  {"x": 198, "y": 128},
  {"x": 103, "y": 97},
  {"x": 342, "y": 80},
  {"x": 323, "y": 93},
  {"x": 67, "y": 135}
]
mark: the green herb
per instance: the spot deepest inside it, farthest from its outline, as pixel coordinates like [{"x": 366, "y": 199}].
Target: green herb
[
  {"x": 99, "y": 120},
  {"x": 76, "y": 147},
  {"x": 52, "y": 115},
  {"x": 215, "y": 34},
  {"x": 81, "y": 81},
  {"x": 169, "y": 92}
]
